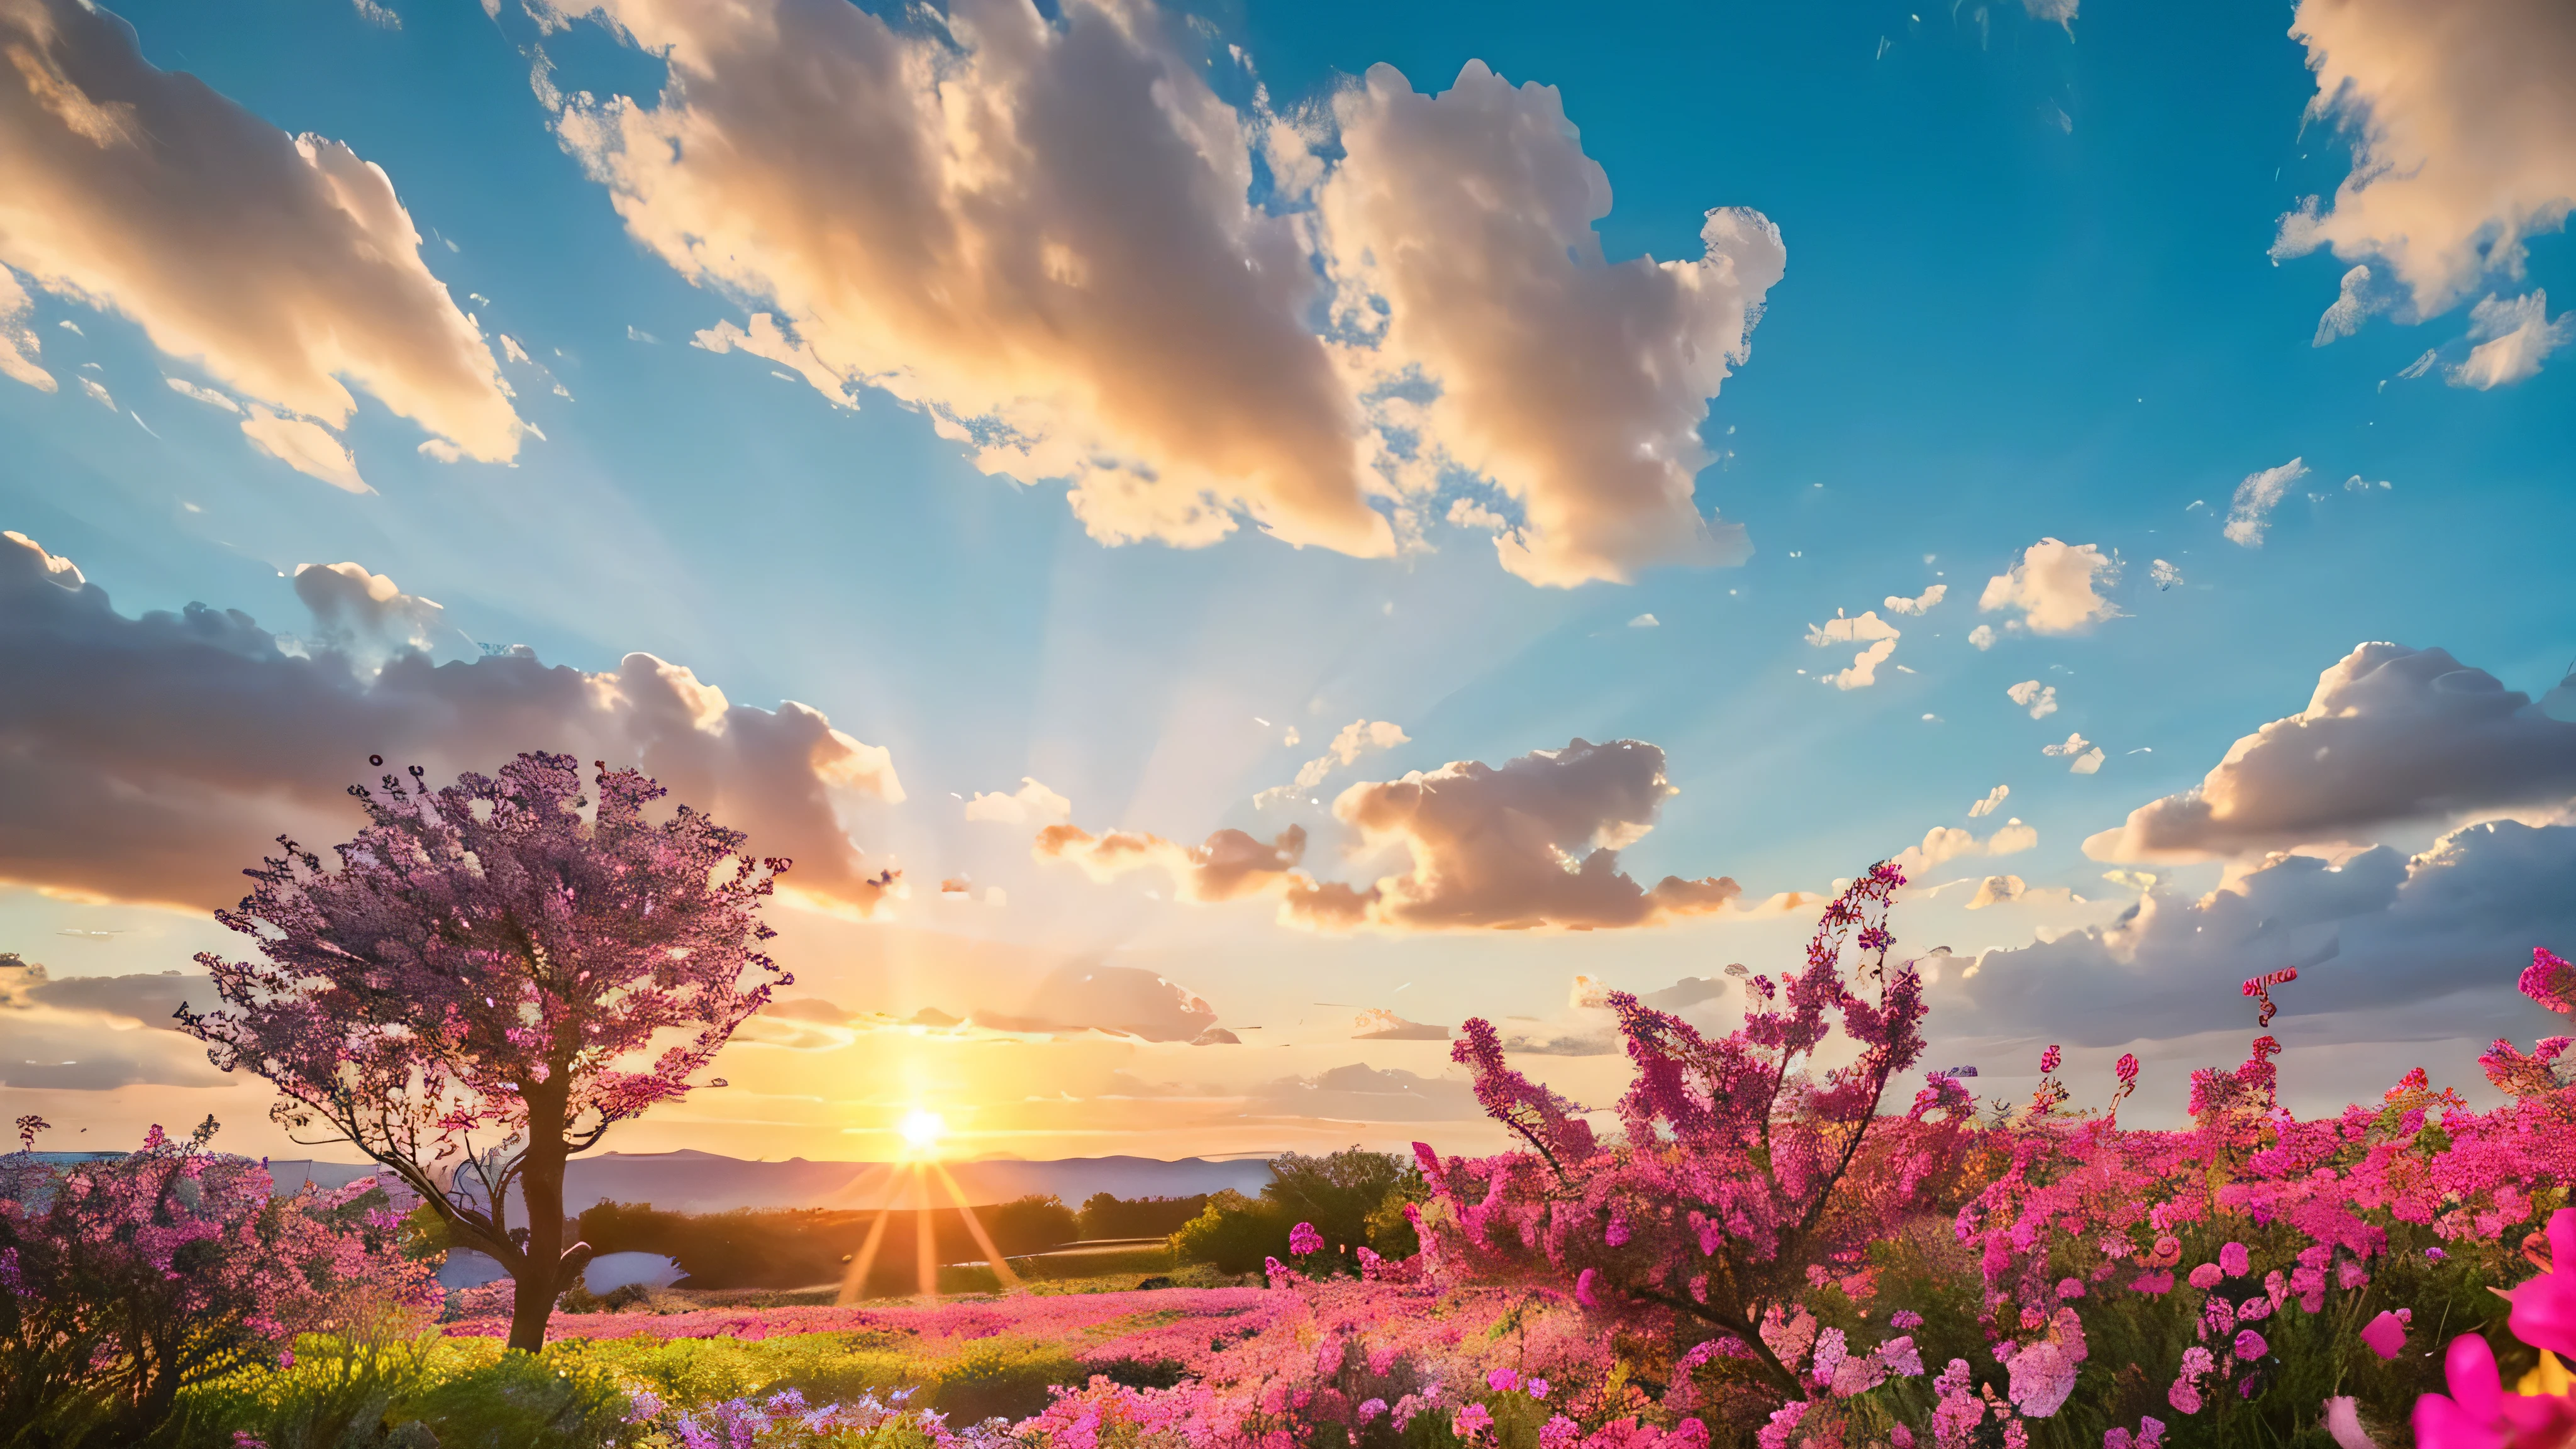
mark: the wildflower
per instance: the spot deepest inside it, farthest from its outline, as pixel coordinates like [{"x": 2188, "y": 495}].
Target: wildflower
[
  {"x": 1559, "y": 1432},
  {"x": 1900, "y": 1356},
  {"x": 2250, "y": 1345},
  {"x": 1537, "y": 1388},
  {"x": 1784, "y": 1422},
  {"x": 2544, "y": 1309},
  {"x": 2385, "y": 1335},
  {"x": 2042, "y": 1377},
  {"x": 2048, "y": 1059},
  {"x": 2343, "y": 1422},
  {"x": 1503, "y": 1380},
  {"x": 286, "y": 1358},
  {"x": 1304, "y": 1240},
  {"x": 2234, "y": 1261},
  {"x": 1371, "y": 1408},
  {"x": 1905, "y": 1318},
  {"x": 2479, "y": 1414},
  {"x": 2206, "y": 1276},
  {"x": 2168, "y": 1252},
  {"x": 2436, "y": 1254},
  {"x": 2070, "y": 1287},
  {"x": 1471, "y": 1421},
  {"x": 1901, "y": 1437}
]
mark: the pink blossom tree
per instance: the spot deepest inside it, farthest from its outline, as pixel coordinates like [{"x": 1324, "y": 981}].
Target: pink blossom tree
[
  {"x": 1744, "y": 1176},
  {"x": 497, "y": 973}
]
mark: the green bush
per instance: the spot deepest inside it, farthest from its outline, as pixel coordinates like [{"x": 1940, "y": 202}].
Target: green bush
[{"x": 554, "y": 1400}]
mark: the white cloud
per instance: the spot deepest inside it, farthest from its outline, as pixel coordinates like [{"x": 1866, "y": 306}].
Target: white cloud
[
  {"x": 2061, "y": 11},
  {"x": 1644, "y": 621},
  {"x": 1357, "y": 738},
  {"x": 1038, "y": 232},
  {"x": 1031, "y": 802},
  {"x": 2040, "y": 699},
  {"x": 1944, "y": 843},
  {"x": 2054, "y": 585},
  {"x": 1920, "y": 604},
  {"x": 1864, "y": 667},
  {"x": 206, "y": 395},
  {"x": 2439, "y": 937},
  {"x": 2087, "y": 762},
  {"x": 151, "y": 759},
  {"x": 375, "y": 14},
  {"x": 2514, "y": 336},
  {"x": 281, "y": 265},
  {"x": 19, "y": 347},
  {"x": 2074, "y": 744},
  {"x": 2353, "y": 305},
  {"x": 2392, "y": 735},
  {"x": 1987, "y": 806},
  {"x": 1841, "y": 630},
  {"x": 1982, "y": 636},
  {"x": 1577, "y": 385},
  {"x": 2250, "y": 512},
  {"x": 365, "y": 616},
  {"x": 305, "y": 446},
  {"x": 1996, "y": 890},
  {"x": 2464, "y": 137},
  {"x": 2164, "y": 575},
  {"x": 98, "y": 393},
  {"x": 1532, "y": 843}
]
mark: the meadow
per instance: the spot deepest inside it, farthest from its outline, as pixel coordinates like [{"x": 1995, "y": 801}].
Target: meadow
[{"x": 1747, "y": 1250}]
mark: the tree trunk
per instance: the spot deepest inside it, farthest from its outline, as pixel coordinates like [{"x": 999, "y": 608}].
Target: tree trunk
[{"x": 541, "y": 1175}]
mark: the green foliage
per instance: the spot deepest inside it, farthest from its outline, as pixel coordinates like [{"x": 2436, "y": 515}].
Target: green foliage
[
  {"x": 1032, "y": 1224},
  {"x": 1105, "y": 1215},
  {"x": 553, "y": 1400},
  {"x": 1234, "y": 1233},
  {"x": 1337, "y": 1192}
]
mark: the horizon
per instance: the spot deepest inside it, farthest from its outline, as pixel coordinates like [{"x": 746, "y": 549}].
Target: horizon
[{"x": 1338, "y": 524}]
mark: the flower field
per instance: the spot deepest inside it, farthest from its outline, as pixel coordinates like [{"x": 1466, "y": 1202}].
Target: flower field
[{"x": 1753, "y": 1251}]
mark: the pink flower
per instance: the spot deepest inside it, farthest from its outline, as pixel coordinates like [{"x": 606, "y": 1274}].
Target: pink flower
[
  {"x": 2042, "y": 1377},
  {"x": 1537, "y": 1388},
  {"x": 1471, "y": 1421},
  {"x": 2168, "y": 1252},
  {"x": 1901, "y": 1437},
  {"x": 2250, "y": 1345},
  {"x": 2206, "y": 1276},
  {"x": 2184, "y": 1398},
  {"x": 1783, "y": 1422},
  {"x": 1559, "y": 1432},
  {"x": 2159, "y": 1283},
  {"x": 2344, "y": 1423},
  {"x": 2544, "y": 1308},
  {"x": 1584, "y": 1291},
  {"x": 2070, "y": 1287},
  {"x": 1503, "y": 1380},
  {"x": 1303, "y": 1240},
  {"x": 1371, "y": 1408},
  {"x": 2234, "y": 1261},
  {"x": 2479, "y": 1414},
  {"x": 286, "y": 1358},
  {"x": 2385, "y": 1335},
  {"x": 1905, "y": 1318},
  {"x": 2049, "y": 1059}
]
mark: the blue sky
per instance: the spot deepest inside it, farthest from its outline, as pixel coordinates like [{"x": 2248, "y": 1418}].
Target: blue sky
[{"x": 2028, "y": 294}]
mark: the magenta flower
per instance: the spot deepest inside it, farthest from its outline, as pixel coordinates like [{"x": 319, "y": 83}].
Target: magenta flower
[
  {"x": 1502, "y": 1380},
  {"x": 2070, "y": 1287},
  {"x": 1559, "y": 1432},
  {"x": 2158, "y": 1283},
  {"x": 2385, "y": 1335},
  {"x": 1471, "y": 1421},
  {"x": 1537, "y": 1388},
  {"x": 1905, "y": 1318},
  {"x": 2234, "y": 1261},
  {"x": 2544, "y": 1308},
  {"x": 2049, "y": 1059},
  {"x": 1371, "y": 1408},
  {"x": 1584, "y": 1291},
  {"x": 2479, "y": 1414},
  {"x": 2250, "y": 1345},
  {"x": 2206, "y": 1276},
  {"x": 1304, "y": 1240}
]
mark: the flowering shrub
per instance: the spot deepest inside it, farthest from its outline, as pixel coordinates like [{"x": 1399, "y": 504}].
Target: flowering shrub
[{"x": 123, "y": 1282}]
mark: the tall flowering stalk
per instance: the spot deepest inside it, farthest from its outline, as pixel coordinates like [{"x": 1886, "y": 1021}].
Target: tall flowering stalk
[
  {"x": 1743, "y": 1175},
  {"x": 471, "y": 996}
]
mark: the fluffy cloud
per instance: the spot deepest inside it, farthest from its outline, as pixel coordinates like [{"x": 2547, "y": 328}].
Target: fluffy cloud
[
  {"x": 1576, "y": 385},
  {"x": 1229, "y": 866},
  {"x": 2251, "y": 510},
  {"x": 1357, "y": 738},
  {"x": 152, "y": 759},
  {"x": 1994, "y": 797},
  {"x": 1920, "y": 604},
  {"x": 1982, "y": 636},
  {"x": 1032, "y": 801},
  {"x": 2391, "y": 735},
  {"x": 1533, "y": 843},
  {"x": 2464, "y": 137},
  {"x": 2056, "y": 587},
  {"x": 1944, "y": 843},
  {"x": 2040, "y": 699},
  {"x": 1038, "y": 233},
  {"x": 1880, "y": 636},
  {"x": 280, "y": 264},
  {"x": 1120, "y": 999},
  {"x": 2442, "y": 935},
  {"x": 19, "y": 347},
  {"x": 1996, "y": 890},
  {"x": 2513, "y": 336},
  {"x": 365, "y": 615},
  {"x": 2073, "y": 744}
]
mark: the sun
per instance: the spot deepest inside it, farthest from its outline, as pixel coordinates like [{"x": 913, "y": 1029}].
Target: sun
[{"x": 922, "y": 1129}]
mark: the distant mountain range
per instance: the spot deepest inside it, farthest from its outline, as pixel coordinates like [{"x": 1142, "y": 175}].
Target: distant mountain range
[{"x": 708, "y": 1182}]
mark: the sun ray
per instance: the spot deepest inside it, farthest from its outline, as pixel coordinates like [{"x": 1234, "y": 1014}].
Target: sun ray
[
  {"x": 925, "y": 1247},
  {"x": 1001, "y": 1270},
  {"x": 854, "y": 1285}
]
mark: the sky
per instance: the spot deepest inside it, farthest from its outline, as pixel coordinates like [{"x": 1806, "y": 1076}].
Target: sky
[{"x": 1229, "y": 540}]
